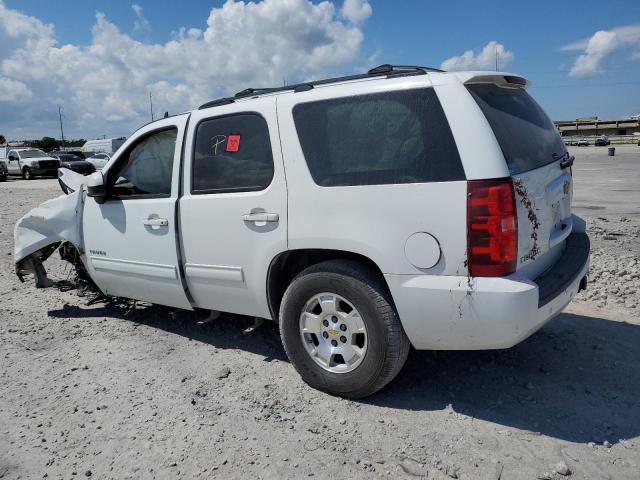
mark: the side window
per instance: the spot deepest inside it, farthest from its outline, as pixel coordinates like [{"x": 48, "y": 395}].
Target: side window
[
  {"x": 12, "y": 153},
  {"x": 148, "y": 166},
  {"x": 382, "y": 138},
  {"x": 232, "y": 154}
]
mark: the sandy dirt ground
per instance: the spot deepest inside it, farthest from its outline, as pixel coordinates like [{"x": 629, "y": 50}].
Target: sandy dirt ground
[{"x": 109, "y": 392}]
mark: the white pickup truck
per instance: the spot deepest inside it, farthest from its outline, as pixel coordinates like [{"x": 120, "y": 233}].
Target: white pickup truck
[
  {"x": 365, "y": 214},
  {"x": 31, "y": 162}
]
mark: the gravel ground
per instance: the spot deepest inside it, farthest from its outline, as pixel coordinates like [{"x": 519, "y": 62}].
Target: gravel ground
[{"x": 107, "y": 392}]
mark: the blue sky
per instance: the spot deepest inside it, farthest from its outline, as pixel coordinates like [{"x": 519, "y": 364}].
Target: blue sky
[{"x": 532, "y": 35}]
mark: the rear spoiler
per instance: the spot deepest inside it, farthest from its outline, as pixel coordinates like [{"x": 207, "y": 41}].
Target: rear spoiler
[{"x": 503, "y": 80}]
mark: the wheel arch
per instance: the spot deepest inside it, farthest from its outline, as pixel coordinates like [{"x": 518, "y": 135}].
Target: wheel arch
[{"x": 286, "y": 265}]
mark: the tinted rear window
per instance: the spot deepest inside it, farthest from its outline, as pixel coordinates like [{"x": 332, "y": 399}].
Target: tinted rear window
[
  {"x": 382, "y": 138},
  {"x": 527, "y": 137}
]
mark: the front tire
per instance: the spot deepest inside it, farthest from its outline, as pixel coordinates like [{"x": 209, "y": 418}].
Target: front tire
[
  {"x": 26, "y": 173},
  {"x": 340, "y": 329},
  {"x": 3, "y": 178}
]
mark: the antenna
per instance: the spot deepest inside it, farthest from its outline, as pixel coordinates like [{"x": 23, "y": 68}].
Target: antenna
[
  {"x": 151, "y": 105},
  {"x": 60, "y": 117},
  {"x": 496, "y": 50}
]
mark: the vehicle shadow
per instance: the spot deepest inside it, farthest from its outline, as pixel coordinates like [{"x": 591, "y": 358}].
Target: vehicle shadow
[
  {"x": 226, "y": 332},
  {"x": 578, "y": 379}
]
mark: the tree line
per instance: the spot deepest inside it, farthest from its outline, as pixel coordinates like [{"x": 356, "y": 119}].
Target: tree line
[{"x": 48, "y": 143}]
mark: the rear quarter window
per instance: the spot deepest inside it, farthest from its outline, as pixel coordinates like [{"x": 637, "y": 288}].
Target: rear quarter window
[
  {"x": 527, "y": 137},
  {"x": 383, "y": 138}
]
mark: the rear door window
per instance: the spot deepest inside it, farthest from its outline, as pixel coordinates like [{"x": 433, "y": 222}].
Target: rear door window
[
  {"x": 232, "y": 154},
  {"x": 527, "y": 137},
  {"x": 382, "y": 138}
]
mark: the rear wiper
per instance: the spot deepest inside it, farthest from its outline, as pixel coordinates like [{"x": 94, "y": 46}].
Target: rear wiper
[{"x": 567, "y": 160}]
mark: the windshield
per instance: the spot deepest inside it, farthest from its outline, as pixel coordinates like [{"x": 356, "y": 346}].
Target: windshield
[
  {"x": 32, "y": 154},
  {"x": 527, "y": 137}
]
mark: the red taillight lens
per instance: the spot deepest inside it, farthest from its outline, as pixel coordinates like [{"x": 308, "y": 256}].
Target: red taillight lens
[{"x": 492, "y": 228}]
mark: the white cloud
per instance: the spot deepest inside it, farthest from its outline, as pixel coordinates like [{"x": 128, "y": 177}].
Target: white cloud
[
  {"x": 356, "y": 11},
  {"x": 13, "y": 91},
  {"x": 104, "y": 86},
  {"x": 484, "y": 60},
  {"x": 597, "y": 48},
  {"x": 141, "y": 22}
]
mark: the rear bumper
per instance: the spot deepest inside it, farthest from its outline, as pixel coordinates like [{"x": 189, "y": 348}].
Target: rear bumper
[{"x": 475, "y": 313}]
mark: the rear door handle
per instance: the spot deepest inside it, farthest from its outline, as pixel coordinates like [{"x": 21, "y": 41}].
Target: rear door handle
[
  {"x": 260, "y": 217},
  {"x": 155, "y": 222}
]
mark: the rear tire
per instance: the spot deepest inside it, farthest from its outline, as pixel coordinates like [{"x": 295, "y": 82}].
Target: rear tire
[
  {"x": 384, "y": 347},
  {"x": 3, "y": 178},
  {"x": 26, "y": 173}
]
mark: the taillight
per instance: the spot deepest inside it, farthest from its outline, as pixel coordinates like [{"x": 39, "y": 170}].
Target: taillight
[{"x": 492, "y": 228}]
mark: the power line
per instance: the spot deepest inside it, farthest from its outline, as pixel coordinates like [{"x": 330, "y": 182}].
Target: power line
[
  {"x": 151, "y": 106},
  {"x": 61, "y": 131}
]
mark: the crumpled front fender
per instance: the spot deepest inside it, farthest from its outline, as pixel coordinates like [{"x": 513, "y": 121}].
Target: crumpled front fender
[{"x": 38, "y": 233}]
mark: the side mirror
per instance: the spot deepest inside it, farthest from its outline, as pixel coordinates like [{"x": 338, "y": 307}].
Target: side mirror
[
  {"x": 12, "y": 157},
  {"x": 96, "y": 187}
]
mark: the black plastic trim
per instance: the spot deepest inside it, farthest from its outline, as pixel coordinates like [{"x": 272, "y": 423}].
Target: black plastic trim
[{"x": 556, "y": 280}]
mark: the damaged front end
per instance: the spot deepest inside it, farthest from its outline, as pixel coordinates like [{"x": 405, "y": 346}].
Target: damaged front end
[{"x": 39, "y": 233}]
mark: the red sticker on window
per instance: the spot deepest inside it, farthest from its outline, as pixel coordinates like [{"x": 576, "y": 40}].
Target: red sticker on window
[{"x": 233, "y": 143}]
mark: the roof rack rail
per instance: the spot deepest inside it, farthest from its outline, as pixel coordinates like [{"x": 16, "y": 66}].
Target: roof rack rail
[
  {"x": 247, "y": 92},
  {"x": 386, "y": 69},
  {"x": 217, "y": 103}
]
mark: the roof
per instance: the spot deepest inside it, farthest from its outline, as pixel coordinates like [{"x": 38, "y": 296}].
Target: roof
[{"x": 381, "y": 71}]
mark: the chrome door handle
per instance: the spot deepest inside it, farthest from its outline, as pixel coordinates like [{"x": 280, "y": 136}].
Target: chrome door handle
[
  {"x": 155, "y": 222},
  {"x": 260, "y": 217}
]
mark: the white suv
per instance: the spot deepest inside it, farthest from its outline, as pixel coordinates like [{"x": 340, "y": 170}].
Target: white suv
[{"x": 365, "y": 214}]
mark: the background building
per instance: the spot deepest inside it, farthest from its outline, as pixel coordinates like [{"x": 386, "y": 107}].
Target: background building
[{"x": 593, "y": 126}]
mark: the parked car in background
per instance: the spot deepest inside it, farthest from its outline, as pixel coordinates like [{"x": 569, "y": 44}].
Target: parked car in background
[
  {"x": 99, "y": 160},
  {"x": 74, "y": 162},
  {"x": 583, "y": 142},
  {"x": 602, "y": 141},
  {"x": 76, "y": 152},
  {"x": 31, "y": 162},
  {"x": 571, "y": 142},
  {"x": 4, "y": 172}
]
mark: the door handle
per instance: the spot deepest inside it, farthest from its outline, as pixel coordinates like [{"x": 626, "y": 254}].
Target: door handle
[
  {"x": 155, "y": 222},
  {"x": 260, "y": 217}
]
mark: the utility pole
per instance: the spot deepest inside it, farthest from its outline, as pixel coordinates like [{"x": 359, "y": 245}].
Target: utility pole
[
  {"x": 151, "y": 105},
  {"x": 496, "y": 47},
  {"x": 61, "y": 131}
]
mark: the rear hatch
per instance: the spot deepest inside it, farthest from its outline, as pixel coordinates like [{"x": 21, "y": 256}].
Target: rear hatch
[{"x": 535, "y": 156}]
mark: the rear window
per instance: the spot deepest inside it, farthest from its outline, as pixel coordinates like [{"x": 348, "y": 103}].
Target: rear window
[
  {"x": 382, "y": 138},
  {"x": 527, "y": 137}
]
